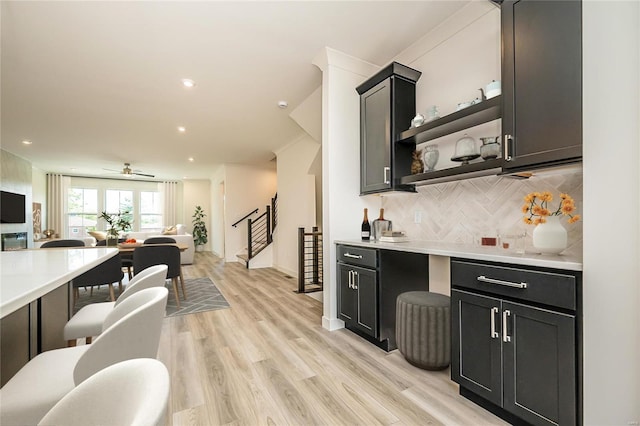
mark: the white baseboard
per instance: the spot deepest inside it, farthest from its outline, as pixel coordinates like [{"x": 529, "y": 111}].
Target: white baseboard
[{"x": 332, "y": 324}]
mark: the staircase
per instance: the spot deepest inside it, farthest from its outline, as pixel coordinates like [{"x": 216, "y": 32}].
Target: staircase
[{"x": 259, "y": 232}]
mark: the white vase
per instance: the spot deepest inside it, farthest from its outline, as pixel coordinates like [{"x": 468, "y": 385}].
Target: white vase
[{"x": 550, "y": 237}]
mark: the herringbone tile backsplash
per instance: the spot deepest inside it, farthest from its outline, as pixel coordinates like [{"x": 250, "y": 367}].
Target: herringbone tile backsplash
[{"x": 463, "y": 211}]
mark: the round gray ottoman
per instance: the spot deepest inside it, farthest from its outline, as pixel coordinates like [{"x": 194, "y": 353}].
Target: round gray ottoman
[{"x": 423, "y": 329}]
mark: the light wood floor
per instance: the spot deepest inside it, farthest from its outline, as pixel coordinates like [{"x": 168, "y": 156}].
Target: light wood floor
[{"x": 268, "y": 361}]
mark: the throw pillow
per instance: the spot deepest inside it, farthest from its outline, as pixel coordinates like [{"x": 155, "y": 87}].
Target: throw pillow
[
  {"x": 181, "y": 229},
  {"x": 98, "y": 235},
  {"x": 170, "y": 230}
]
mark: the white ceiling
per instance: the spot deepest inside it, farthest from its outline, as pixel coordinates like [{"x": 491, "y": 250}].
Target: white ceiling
[{"x": 96, "y": 84}]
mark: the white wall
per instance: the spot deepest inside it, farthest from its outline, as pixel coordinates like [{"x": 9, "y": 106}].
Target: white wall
[
  {"x": 246, "y": 188},
  {"x": 197, "y": 192},
  {"x": 217, "y": 218},
  {"x": 296, "y": 200},
  {"x": 611, "y": 74}
]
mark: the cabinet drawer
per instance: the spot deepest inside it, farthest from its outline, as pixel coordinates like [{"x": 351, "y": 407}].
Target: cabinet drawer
[
  {"x": 358, "y": 256},
  {"x": 548, "y": 288}
]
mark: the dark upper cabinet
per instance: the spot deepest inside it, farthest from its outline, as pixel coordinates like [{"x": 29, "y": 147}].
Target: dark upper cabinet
[
  {"x": 541, "y": 83},
  {"x": 387, "y": 105}
]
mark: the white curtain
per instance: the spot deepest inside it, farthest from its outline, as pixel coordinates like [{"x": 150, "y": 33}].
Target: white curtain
[
  {"x": 169, "y": 190},
  {"x": 57, "y": 188}
]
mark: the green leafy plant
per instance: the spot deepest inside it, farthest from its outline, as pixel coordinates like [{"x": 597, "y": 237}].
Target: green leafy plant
[
  {"x": 200, "y": 236},
  {"x": 118, "y": 222}
]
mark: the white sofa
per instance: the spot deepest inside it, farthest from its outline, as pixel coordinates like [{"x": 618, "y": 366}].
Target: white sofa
[{"x": 181, "y": 237}]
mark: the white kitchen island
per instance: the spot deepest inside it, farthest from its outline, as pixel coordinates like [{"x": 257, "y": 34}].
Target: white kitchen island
[{"x": 36, "y": 299}]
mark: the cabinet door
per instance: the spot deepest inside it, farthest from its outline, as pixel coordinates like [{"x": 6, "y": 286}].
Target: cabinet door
[
  {"x": 476, "y": 363},
  {"x": 375, "y": 138},
  {"x": 539, "y": 365},
  {"x": 367, "y": 300},
  {"x": 542, "y": 81},
  {"x": 346, "y": 294}
]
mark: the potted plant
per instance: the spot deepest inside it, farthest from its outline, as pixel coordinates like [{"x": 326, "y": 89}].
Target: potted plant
[
  {"x": 119, "y": 222},
  {"x": 199, "y": 228}
]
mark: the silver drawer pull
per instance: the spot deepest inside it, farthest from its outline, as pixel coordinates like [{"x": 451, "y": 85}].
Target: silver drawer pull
[
  {"x": 500, "y": 282},
  {"x": 494, "y": 333},
  {"x": 505, "y": 336},
  {"x": 353, "y": 256}
]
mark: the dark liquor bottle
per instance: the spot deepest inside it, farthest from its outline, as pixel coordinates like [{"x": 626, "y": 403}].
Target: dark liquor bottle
[{"x": 366, "y": 228}]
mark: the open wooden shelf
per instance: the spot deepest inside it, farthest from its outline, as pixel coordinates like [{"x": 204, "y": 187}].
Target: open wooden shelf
[
  {"x": 467, "y": 171},
  {"x": 485, "y": 111}
]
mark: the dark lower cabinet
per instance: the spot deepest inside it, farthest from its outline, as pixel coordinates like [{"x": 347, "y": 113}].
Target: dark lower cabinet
[
  {"x": 520, "y": 358},
  {"x": 539, "y": 365},
  {"x": 369, "y": 282},
  {"x": 358, "y": 298}
]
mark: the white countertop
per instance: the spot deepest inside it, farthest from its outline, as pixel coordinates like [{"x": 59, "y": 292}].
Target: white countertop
[
  {"x": 492, "y": 254},
  {"x": 27, "y": 275}
]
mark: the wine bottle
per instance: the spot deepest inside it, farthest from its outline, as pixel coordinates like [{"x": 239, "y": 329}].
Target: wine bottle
[{"x": 366, "y": 228}]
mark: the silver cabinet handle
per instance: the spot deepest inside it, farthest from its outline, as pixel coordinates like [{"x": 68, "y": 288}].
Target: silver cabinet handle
[
  {"x": 484, "y": 279},
  {"x": 350, "y": 279},
  {"x": 507, "y": 139},
  {"x": 494, "y": 332},
  {"x": 385, "y": 171},
  {"x": 353, "y": 256},
  {"x": 505, "y": 336},
  {"x": 356, "y": 280}
]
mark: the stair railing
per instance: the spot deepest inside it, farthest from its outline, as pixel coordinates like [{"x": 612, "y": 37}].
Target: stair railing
[
  {"x": 309, "y": 260},
  {"x": 244, "y": 217},
  {"x": 274, "y": 212},
  {"x": 259, "y": 233}
]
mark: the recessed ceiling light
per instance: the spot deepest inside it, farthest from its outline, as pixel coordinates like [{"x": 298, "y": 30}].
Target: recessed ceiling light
[
  {"x": 283, "y": 104},
  {"x": 182, "y": 129},
  {"x": 191, "y": 159},
  {"x": 26, "y": 142},
  {"x": 188, "y": 83}
]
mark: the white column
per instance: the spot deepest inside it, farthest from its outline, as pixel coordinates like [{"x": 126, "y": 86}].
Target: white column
[
  {"x": 611, "y": 89},
  {"x": 342, "y": 206}
]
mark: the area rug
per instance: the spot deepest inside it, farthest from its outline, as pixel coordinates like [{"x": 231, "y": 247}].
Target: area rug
[{"x": 202, "y": 295}]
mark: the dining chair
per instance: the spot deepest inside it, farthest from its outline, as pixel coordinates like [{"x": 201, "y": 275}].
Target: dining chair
[
  {"x": 145, "y": 256},
  {"x": 138, "y": 394},
  {"x": 87, "y": 322},
  {"x": 63, "y": 243},
  {"x": 160, "y": 240},
  {"x": 127, "y": 259},
  {"x": 131, "y": 330},
  {"x": 108, "y": 272}
]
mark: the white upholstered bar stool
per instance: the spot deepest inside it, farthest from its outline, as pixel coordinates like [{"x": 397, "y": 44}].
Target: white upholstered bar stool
[
  {"x": 87, "y": 322},
  {"x": 134, "y": 392},
  {"x": 131, "y": 330}
]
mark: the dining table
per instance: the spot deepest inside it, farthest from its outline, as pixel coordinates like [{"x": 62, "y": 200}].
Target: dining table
[{"x": 125, "y": 248}]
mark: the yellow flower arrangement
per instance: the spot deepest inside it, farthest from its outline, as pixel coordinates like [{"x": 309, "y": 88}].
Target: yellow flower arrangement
[{"x": 536, "y": 208}]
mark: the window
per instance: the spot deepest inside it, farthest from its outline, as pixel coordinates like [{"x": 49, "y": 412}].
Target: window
[
  {"x": 88, "y": 198},
  {"x": 150, "y": 210},
  {"x": 118, "y": 201},
  {"x": 82, "y": 208}
]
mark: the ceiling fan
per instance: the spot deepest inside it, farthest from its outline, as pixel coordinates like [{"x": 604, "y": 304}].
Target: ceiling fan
[{"x": 128, "y": 172}]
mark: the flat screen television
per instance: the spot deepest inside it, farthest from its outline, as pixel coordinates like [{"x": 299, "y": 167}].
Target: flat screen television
[{"x": 12, "y": 207}]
